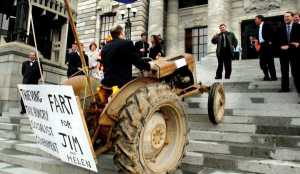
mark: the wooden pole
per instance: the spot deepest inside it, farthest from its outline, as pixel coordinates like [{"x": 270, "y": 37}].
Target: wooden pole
[{"x": 74, "y": 30}]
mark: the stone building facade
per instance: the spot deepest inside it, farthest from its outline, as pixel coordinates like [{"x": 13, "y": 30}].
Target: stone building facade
[
  {"x": 53, "y": 37},
  {"x": 186, "y": 25}
]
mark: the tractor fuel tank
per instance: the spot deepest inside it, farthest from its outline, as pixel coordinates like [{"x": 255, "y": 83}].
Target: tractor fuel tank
[{"x": 167, "y": 66}]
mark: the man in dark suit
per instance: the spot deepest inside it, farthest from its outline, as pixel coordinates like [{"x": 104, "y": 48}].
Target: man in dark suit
[
  {"x": 118, "y": 56},
  {"x": 289, "y": 45},
  {"x": 142, "y": 47},
  {"x": 71, "y": 50},
  {"x": 31, "y": 73},
  {"x": 266, "y": 58},
  {"x": 75, "y": 64},
  {"x": 296, "y": 18},
  {"x": 226, "y": 43}
]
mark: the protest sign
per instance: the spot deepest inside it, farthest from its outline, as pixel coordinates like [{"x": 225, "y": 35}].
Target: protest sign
[{"x": 57, "y": 124}]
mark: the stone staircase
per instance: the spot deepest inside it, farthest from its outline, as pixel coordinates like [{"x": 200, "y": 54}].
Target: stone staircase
[{"x": 260, "y": 134}]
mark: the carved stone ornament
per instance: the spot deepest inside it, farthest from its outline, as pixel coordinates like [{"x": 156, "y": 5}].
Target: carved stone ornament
[
  {"x": 194, "y": 22},
  {"x": 105, "y": 6},
  {"x": 260, "y": 6}
]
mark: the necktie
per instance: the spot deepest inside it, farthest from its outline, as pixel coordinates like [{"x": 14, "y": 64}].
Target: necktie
[
  {"x": 224, "y": 41},
  {"x": 288, "y": 28}
]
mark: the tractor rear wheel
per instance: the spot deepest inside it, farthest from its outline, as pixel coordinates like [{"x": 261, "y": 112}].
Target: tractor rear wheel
[
  {"x": 152, "y": 132},
  {"x": 216, "y": 103}
]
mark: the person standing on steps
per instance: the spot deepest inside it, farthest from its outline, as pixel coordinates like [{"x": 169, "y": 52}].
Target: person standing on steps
[
  {"x": 142, "y": 46},
  {"x": 75, "y": 64},
  {"x": 266, "y": 58},
  {"x": 156, "y": 50},
  {"x": 226, "y": 42},
  {"x": 289, "y": 46},
  {"x": 31, "y": 73}
]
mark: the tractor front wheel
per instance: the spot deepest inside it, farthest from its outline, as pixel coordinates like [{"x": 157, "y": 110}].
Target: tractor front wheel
[{"x": 216, "y": 103}]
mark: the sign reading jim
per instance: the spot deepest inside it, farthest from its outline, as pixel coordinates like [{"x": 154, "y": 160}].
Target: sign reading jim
[{"x": 57, "y": 124}]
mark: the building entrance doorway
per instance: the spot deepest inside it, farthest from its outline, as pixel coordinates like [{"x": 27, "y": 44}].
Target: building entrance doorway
[{"x": 248, "y": 28}]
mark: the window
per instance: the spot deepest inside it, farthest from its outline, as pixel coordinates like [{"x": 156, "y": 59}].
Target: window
[
  {"x": 107, "y": 22},
  {"x": 4, "y": 23},
  {"x": 190, "y": 3},
  {"x": 196, "y": 42}
]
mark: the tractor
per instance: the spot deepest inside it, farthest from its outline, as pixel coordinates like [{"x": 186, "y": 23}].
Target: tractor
[{"x": 144, "y": 123}]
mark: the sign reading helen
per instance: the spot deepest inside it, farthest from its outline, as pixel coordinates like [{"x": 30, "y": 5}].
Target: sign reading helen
[{"x": 57, "y": 124}]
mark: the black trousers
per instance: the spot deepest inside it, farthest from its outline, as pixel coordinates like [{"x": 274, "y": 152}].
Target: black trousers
[
  {"x": 224, "y": 60},
  {"x": 21, "y": 101},
  {"x": 22, "y": 106},
  {"x": 266, "y": 61},
  {"x": 289, "y": 59}
]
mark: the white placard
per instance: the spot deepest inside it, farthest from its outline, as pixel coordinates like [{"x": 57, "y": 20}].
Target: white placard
[
  {"x": 180, "y": 63},
  {"x": 57, "y": 124}
]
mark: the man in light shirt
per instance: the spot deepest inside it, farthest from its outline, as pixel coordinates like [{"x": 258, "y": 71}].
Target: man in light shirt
[{"x": 266, "y": 58}]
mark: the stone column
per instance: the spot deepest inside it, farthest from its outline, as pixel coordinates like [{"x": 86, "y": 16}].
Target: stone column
[
  {"x": 63, "y": 42},
  {"x": 172, "y": 28},
  {"x": 21, "y": 20},
  {"x": 218, "y": 13},
  {"x": 156, "y": 17}
]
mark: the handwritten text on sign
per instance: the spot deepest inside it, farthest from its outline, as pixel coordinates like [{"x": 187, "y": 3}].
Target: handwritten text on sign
[{"x": 57, "y": 124}]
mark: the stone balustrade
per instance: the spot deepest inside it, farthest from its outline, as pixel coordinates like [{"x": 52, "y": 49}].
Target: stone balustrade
[{"x": 54, "y": 6}]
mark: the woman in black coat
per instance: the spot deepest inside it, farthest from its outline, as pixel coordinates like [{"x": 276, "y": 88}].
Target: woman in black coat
[{"x": 156, "y": 48}]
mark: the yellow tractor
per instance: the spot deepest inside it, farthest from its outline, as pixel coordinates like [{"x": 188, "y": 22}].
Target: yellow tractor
[{"x": 144, "y": 122}]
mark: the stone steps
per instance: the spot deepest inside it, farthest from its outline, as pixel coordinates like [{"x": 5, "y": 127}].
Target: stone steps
[
  {"x": 264, "y": 110},
  {"x": 237, "y": 97},
  {"x": 9, "y": 120},
  {"x": 27, "y": 137},
  {"x": 26, "y": 129},
  {"x": 12, "y": 114},
  {"x": 260, "y": 134},
  {"x": 190, "y": 169},
  {"x": 44, "y": 164},
  {"x": 245, "y": 150},
  {"x": 247, "y": 138},
  {"x": 30, "y": 148},
  {"x": 14, "y": 110},
  {"x": 9, "y": 126},
  {"x": 257, "y": 120},
  {"x": 253, "y": 103},
  {"x": 8, "y": 134},
  {"x": 25, "y": 121},
  {"x": 247, "y": 128},
  {"x": 7, "y": 144},
  {"x": 246, "y": 164},
  {"x": 241, "y": 128},
  {"x": 6, "y": 168}
]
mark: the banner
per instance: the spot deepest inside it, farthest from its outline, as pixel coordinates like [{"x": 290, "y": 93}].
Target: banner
[{"x": 57, "y": 123}]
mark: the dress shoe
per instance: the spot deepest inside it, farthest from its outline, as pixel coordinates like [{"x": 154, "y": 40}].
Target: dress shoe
[
  {"x": 23, "y": 112},
  {"x": 284, "y": 90},
  {"x": 274, "y": 79},
  {"x": 266, "y": 79},
  {"x": 218, "y": 78}
]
